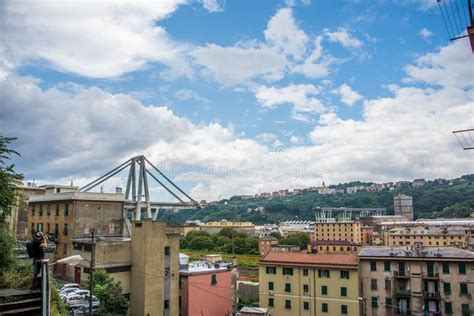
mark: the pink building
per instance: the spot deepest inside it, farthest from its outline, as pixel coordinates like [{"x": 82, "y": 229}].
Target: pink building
[{"x": 205, "y": 289}]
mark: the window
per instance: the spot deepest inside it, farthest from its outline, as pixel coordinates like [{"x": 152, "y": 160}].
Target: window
[
  {"x": 463, "y": 288},
  {"x": 447, "y": 287},
  {"x": 39, "y": 227},
  {"x": 373, "y": 284},
  {"x": 213, "y": 279},
  {"x": 56, "y": 229},
  {"x": 32, "y": 228},
  {"x": 48, "y": 227},
  {"x": 323, "y": 273},
  {"x": 65, "y": 230},
  {"x": 287, "y": 287},
  {"x": 343, "y": 291},
  {"x": 66, "y": 209},
  {"x": 306, "y": 306},
  {"x": 270, "y": 302},
  {"x": 324, "y": 290},
  {"x": 373, "y": 265},
  {"x": 48, "y": 209},
  {"x": 305, "y": 288},
  {"x": 271, "y": 286},
  {"x": 388, "y": 302},
  {"x": 374, "y": 301},
  {"x": 462, "y": 268},
  {"x": 445, "y": 268},
  {"x": 57, "y": 209},
  {"x": 324, "y": 308},
  {"x": 288, "y": 304},
  {"x": 388, "y": 284},
  {"x": 344, "y": 274},
  {"x": 465, "y": 310},
  {"x": 33, "y": 210},
  {"x": 40, "y": 212},
  {"x": 287, "y": 271},
  {"x": 344, "y": 309},
  {"x": 448, "y": 308},
  {"x": 166, "y": 304},
  {"x": 167, "y": 251},
  {"x": 271, "y": 270},
  {"x": 386, "y": 266},
  {"x": 305, "y": 272}
]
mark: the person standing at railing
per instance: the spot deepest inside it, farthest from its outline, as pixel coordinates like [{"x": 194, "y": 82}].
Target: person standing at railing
[{"x": 36, "y": 251}]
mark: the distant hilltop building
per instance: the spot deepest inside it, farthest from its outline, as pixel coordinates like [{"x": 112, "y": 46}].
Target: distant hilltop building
[{"x": 403, "y": 205}]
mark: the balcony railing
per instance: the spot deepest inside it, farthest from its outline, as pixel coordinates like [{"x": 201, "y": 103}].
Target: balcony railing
[
  {"x": 431, "y": 295},
  {"x": 400, "y": 274},
  {"x": 431, "y": 275},
  {"x": 402, "y": 293}
]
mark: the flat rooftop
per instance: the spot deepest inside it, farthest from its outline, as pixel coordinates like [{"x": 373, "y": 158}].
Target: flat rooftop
[
  {"x": 309, "y": 259},
  {"x": 202, "y": 267},
  {"x": 86, "y": 196},
  {"x": 426, "y": 252}
]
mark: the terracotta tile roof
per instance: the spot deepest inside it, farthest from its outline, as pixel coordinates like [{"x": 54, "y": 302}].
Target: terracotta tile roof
[{"x": 300, "y": 258}]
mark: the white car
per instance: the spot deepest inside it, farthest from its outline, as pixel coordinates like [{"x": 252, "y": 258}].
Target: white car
[
  {"x": 66, "y": 292},
  {"x": 74, "y": 300},
  {"x": 69, "y": 285},
  {"x": 77, "y": 292},
  {"x": 84, "y": 309}
]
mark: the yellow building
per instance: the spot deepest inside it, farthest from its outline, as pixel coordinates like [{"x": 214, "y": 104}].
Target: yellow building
[
  {"x": 338, "y": 230},
  {"x": 215, "y": 227},
  {"x": 309, "y": 284},
  {"x": 416, "y": 281},
  {"x": 333, "y": 246},
  {"x": 428, "y": 236}
]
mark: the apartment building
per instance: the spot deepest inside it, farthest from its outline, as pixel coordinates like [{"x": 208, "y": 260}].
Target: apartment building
[
  {"x": 333, "y": 246},
  {"x": 215, "y": 227},
  {"x": 403, "y": 205},
  {"x": 64, "y": 214},
  {"x": 428, "y": 236},
  {"x": 338, "y": 230},
  {"x": 265, "y": 244},
  {"x": 416, "y": 281},
  {"x": 17, "y": 221},
  {"x": 309, "y": 284}
]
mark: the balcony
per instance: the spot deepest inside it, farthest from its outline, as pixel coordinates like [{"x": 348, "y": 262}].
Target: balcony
[
  {"x": 431, "y": 295},
  {"x": 402, "y": 293},
  {"x": 431, "y": 275},
  {"x": 400, "y": 275}
]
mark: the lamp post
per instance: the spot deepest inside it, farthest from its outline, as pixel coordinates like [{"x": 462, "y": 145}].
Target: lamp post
[{"x": 46, "y": 281}]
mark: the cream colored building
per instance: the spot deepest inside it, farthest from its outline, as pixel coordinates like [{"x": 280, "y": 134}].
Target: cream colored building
[
  {"x": 215, "y": 227},
  {"x": 338, "y": 230},
  {"x": 309, "y": 284},
  {"x": 428, "y": 236},
  {"x": 155, "y": 269},
  {"x": 416, "y": 281}
]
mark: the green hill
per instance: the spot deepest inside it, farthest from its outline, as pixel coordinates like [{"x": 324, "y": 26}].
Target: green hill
[{"x": 454, "y": 198}]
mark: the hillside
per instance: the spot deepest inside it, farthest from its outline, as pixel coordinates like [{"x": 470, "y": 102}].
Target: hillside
[{"x": 434, "y": 199}]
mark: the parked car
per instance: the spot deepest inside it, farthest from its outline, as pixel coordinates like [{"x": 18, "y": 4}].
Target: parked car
[
  {"x": 84, "y": 309},
  {"x": 76, "y": 300},
  {"x": 66, "y": 292},
  {"x": 69, "y": 285},
  {"x": 77, "y": 292}
]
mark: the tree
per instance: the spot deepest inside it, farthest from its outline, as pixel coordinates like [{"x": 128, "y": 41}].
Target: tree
[
  {"x": 9, "y": 179},
  {"x": 109, "y": 291}
]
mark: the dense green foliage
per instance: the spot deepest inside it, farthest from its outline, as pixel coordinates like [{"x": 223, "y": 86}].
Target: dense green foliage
[
  {"x": 11, "y": 272},
  {"x": 109, "y": 293},
  {"x": 227, "y": 241},
  {"x": 58, "y": 307},
  {"x": 455, "y": 199}
]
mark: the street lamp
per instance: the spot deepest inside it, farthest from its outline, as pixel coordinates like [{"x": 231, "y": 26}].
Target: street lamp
[{"x": 46, "y": 280}]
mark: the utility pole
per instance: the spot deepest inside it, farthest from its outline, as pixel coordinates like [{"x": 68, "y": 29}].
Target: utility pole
[{"x": 92, "y": 264}]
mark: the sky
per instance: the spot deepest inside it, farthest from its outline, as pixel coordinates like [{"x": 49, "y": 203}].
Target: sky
[{"x": 235, "y": 97}]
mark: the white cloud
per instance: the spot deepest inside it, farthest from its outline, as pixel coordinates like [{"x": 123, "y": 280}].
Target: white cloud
[
  {"x": 233, "y": 65},
  {"x": 425, "y": 33},
  {"x": 316, "y": 64},
  {"x": 344, "y": 37},
  {"x": 187, "y": 94},
  {"x": 300, "y": 96},
  {"x": 93, "y": 39},
  {"x": 451, "y": 66},
  {"x": 348, "y": 95},
  {"x": 214, "y": 5},
  {"x": 283, "y": 34}
]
